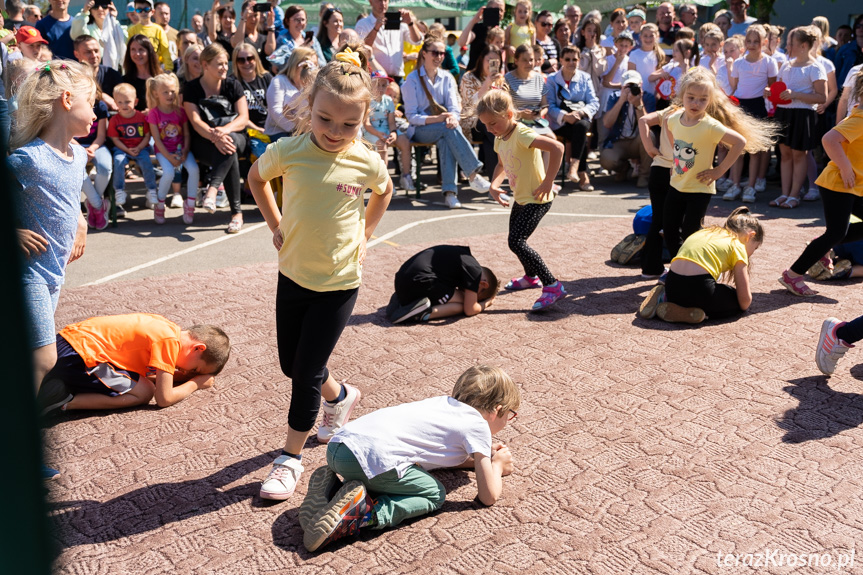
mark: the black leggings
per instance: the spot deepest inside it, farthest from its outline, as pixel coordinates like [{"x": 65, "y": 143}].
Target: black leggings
[
  {"x": 523, "y": 220},
  {"x": 682, "y": 217},
  {"x": 838, "y": 207},
  {"x": 702, "y": 291},
  {"x": 224, "y": 168},
  {"x": 576, "y": 135},
  {"x": 851, "y": 332},
  {"x": 658, "y": 185},
  {"x": 308, "y": 326}
]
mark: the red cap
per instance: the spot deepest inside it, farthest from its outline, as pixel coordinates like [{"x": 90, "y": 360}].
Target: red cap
[{"x": 29, "y": 35}]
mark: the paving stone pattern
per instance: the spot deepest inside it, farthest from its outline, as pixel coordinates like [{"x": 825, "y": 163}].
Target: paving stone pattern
[{"x": 640, "y": 446}]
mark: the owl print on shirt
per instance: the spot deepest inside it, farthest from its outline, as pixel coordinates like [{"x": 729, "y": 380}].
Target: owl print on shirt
[{"x": 684, "y": 156}]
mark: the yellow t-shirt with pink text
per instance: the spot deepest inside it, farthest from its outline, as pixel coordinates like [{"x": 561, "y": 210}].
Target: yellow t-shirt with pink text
[{"x": 522, "y": 164}]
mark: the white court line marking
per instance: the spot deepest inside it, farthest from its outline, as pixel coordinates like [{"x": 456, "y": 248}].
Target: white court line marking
[
  {"x": 371, "y": 244},
  {"x": 494, "y": 212},
  {"x": 175, "y": 255}
]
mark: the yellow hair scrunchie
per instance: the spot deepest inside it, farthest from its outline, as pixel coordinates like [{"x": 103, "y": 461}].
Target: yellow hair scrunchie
[{"x": 350, "y": 57}]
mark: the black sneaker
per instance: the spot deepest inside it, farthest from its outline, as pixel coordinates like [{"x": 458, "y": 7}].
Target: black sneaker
[
  {"x": 399, "y": 313},
  {"x": 53, "y": 394}
]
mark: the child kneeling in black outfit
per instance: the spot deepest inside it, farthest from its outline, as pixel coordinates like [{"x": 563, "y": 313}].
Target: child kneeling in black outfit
[{"x": 441, "y": 281}]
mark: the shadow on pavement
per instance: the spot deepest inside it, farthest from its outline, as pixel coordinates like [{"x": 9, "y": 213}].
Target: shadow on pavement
[{"x": 822, "y": 412}]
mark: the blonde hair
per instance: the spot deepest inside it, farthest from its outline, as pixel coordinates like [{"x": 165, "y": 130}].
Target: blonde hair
[
  {"x": 41, "y": 89},
  {"x": 126, "y": 90},
  {"x": 739, "y": 223},
  {"x": 487, "y": 389},
  {"x": 707, "y": 27},
  {"x": 737, "y": 40},
  {"x": 823, "y": 25},
  {"x": 657, "y": 51},
  {"x": 184, "y": 65},
  {"x": 496, "y": 102},
  {"x": 758, "y": 29},
  {"x": 805, "y": 35},
  {"x": 259, "y": 68},
  {"x": 530, "y": 26},
  {"x": 857, "y": 88},
  {"x": 163, "y": 79},
  {"x": 212, "y": 52},
  {"x": 816, "y": 46},
  {"x": 347, "y": 82},
  {"x": 688, "y": 45},
  {"x": 298, "y": 56},
  {"x": 714, "y": 34},
  {"x": 760, "y": 135},
  {"x": 495, "y": 33}
]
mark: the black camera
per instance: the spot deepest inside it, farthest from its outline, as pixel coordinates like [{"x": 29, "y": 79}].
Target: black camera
[
  {"x": 634, "y": 89},
  {"x": 262, "y": 7}
]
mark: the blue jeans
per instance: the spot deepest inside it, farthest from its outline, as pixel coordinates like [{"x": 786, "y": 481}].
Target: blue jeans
[
  {"x": 121, "y": 158},
  {"x": 453, "y": 149},
  {"x": 102, "y": 161},
  {"x": 168, "y": 170},
  {"x": 5, "y": 121}
]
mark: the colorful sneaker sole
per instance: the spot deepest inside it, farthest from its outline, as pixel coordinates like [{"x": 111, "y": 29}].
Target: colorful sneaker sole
[
  {"x": 322, "y": 483},
  {"x": 339, "y": 518}
]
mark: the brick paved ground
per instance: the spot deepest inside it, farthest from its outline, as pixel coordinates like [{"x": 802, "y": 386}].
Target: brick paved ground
[{"x": 641, "y": 447}]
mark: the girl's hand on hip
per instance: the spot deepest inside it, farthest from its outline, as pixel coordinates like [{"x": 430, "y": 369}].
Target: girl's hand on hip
[
  {"x": 32, "y": 243},
  {"x": 278, "y": 239},
  {"x": 543, "y": 191},
  {"x": 708, "y": 176}
]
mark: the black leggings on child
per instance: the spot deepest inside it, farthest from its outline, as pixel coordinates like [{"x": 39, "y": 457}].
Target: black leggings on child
[
  {"x": 308, "y": 326},
  {"x": 523, "y": 220},
  {"x": 651, "y": 256},
  {"x": 682, "y": 216},
  {"x": 224, "y": 168},
  {"x": 838, "y": 207},
  {"x": 851, "y": 332},
  {"x": 702, "y": 291}
]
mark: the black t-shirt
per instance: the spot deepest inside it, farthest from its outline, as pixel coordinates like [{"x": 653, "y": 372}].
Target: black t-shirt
[
  {"x": 256, "y": 97},
  {"x": 225, "y": 41},
  {"x": 435, "y": 273},
  {"x": 108, "y": 78},
  {"x": 668, "y": 37},
  {"x": 140, "y": 86},
  {"x": 193, "y": 93},
  {"x": 480, "y": 32}
]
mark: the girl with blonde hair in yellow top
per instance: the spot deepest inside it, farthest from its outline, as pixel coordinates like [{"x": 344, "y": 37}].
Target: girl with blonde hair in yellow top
[
  {"x": 321, "y": 233},
  {"x": 519, "y": 149},
  {"x": 841, "y": 185},
  {"x": 693, "y": 289},
  {"x": 521, "y": 31}
]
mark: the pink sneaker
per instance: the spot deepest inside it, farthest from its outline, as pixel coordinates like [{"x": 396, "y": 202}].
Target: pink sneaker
[
  {"x": 96, "y": 217},
  {"x": 525, "y": 282},
  {"x": 830, "y": 347},
  {"x": 159, "y": 212},
  {"x": 189, "y": 211},
  {"x": 550, "y": 295}
]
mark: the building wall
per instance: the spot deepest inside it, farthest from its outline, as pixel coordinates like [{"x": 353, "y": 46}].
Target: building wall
[{"x": 791, "y": 13}]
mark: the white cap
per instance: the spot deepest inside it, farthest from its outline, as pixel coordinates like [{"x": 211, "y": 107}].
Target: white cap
[{"x": 630, "y": 77}]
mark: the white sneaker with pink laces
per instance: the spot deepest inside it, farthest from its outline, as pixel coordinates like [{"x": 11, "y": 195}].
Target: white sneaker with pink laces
[
  {"x": 282, "y": 480},
  {"x": 830, "y": 347},
  {"x": 335, "y": 415}
]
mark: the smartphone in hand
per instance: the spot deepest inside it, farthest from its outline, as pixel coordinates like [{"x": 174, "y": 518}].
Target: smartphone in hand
[
  {"x": 393, "y": 21},
  {"x": 491, "y": 17}
]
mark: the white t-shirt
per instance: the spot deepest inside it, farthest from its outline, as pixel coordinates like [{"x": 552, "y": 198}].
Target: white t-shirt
[
  {"x": 780, "y": 57},
  {"x": 849, "y": 85},
  {"x": 827, "y": 64},
  {"x": 645, "y": 64},
  {"x": 800, "y": 79},
  {"x": 388, "y": 46},
  {"x": 752, "y": 76},
  {"x": 608, "y": 42},
  {"x": 604, "y": 92},
  {"x": 432, "y": 433},
  {"x": 722, "y": 80}
]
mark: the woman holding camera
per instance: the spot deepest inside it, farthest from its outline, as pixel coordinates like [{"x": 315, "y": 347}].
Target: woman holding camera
[
  {"x": 572, "y": 103},
  {"x": 98, "y": 18}
]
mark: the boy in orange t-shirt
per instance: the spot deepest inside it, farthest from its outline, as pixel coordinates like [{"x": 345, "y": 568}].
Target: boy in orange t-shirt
[{"x": 119, "y": 361}]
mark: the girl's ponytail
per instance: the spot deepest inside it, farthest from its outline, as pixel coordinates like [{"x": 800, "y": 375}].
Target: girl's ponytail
[{"x": 741, "y": 221}]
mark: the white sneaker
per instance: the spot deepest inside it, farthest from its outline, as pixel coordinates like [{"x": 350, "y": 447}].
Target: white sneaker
[
  {"x": 722, "y": 184},
  {"x": 451, "y": 200},
  {"x": 337, "y": 414},
  {"x": 406, "y": 182},
  {"x": 283, "y": 478},
  {"x": 152, "y": 199},
  {"x": 732, "y": 193},
  {"x": 176, "y": 201},
  {"x": 120, "y": 197},
  {"x": 830, "y": 347},
  {"x": 760, "y": 184},
  {"x": 748, "y": 195},
  {"x": 480, "y": 184}
]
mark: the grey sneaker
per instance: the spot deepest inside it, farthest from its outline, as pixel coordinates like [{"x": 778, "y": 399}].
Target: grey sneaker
[
  {"x": 748, "y": 195},
  {"x": 830, "y": 347},
  {"x": 53, "y": 394},
  {"x": 322, "y": 486},
  {"x": 732, "y": 194},
  {"x": 406, "y": 182}
]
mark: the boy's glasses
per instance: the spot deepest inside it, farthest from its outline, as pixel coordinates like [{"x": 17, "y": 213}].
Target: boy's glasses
[
  {"x": 145, "y": 9},
  {"x": 512, "y": 415},
  {"x": 245, "y": 59}
]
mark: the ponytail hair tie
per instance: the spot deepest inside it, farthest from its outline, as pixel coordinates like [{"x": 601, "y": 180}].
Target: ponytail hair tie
[{"x": 350, "y": 57}]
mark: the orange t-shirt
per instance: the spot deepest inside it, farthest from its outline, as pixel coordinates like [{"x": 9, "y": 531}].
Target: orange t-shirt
[
  {"x": 132, "y": 342},
  {"x": 831, "y": 178}
]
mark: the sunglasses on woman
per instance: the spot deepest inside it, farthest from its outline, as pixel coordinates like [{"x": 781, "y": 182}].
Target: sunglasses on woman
[
  {"x": 436, "y": 53},
  {"x": 245, "y": 59}
]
